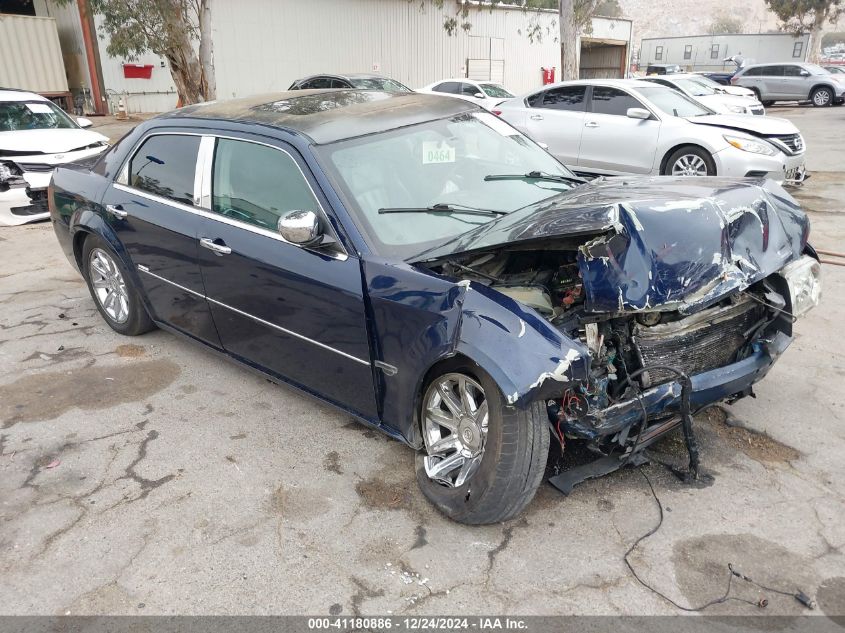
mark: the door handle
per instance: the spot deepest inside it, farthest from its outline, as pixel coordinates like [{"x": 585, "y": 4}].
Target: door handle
[
  {"x": 217, "y": 249},
  {"x": 591, "y": 124},
  {"x": 536, "y": 117},
  {"x": 116, "y": 210}
]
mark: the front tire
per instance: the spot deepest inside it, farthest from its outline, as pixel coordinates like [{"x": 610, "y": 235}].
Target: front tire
[
  {"x": 690, "y": 161},
  {"x": 483, "y": 460},
  {"x": 822, "y": 97},
  {"x": 110, "y": 286}
]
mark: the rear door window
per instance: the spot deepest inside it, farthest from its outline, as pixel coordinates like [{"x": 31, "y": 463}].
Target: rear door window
[
  {"x": 613, "y": 101},
  {"x": 565, "y": 98},
  {"x": 450, "y": 87},
  {"x": 772, "y": 71},
  {"x": 257, "y": 184},
  {"x": 165, "y": 165}
]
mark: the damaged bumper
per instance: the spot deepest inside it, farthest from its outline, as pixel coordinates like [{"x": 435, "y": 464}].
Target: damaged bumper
[
  {"x": 24, "y": 199},
  {"x": 664, "y": 400}
]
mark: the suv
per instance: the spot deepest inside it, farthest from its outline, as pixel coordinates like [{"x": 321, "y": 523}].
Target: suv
[{"x": 791, "y": 82}]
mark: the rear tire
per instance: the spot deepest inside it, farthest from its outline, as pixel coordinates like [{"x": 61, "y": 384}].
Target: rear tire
[
  {"x": 767, "y": 104},
  {"x": 512, "y": 459},
  {"x": 822, "y": 97},
  {"x": 111, "y": 288},
  {"x": 690, "y": 160}
]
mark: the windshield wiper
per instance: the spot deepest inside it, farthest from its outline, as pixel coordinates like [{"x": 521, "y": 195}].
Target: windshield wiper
[
  {"x": 444, "y": 208},
  {"x": 537, "y": 175}
]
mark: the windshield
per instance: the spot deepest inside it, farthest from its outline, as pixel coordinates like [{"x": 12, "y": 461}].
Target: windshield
[
  {"x": 673, "y": 102},
  {"x": 32, "y": 115},
  {"x": 497, "y": 92},
  {"x": 814, "y": 69},
  {"x": 442, "y": 162},
  {"x": 695, "y": 87},
  {"x": 378, "y": 83}
]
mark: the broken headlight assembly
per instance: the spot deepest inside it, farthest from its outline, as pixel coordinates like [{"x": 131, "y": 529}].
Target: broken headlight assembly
[
  {"x": 803, "y": 276},
  {"x": 10, "y": 176}
]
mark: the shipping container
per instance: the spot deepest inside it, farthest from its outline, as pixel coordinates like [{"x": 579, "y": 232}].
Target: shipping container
[{"x": 30, "y": 55}]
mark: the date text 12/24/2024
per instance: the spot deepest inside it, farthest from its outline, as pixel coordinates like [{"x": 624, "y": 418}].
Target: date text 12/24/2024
[{"x": 388, "y": 623}]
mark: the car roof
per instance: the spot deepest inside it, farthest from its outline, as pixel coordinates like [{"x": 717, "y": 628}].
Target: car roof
[
  {"x": 616, "y": 83},
  {"x": 343, "y": 76},
  {"x": 325, "y": 116},
  {"x": 13, "y": 94}
]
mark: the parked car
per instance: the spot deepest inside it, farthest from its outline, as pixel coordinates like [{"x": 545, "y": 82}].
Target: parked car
[
  {"x": 791, "y": 82},
  {"x": 663, "y": 69},
  {"x": 726, "y": 85},
  {"x": 418, "y": 263},
  {"x": 835, "y": 70},
  {"x": 717, "y": 100},
  {"x": 357, "y": 81},
  {"x": 35, "y": 136},
  {"x": 627, "y": 126},
  {"x": 484, "y": 93}
]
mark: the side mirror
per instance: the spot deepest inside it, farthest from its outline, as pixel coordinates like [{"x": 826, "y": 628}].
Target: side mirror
[
  {"x": 805, "y": 73},
  {"x": 300, "y": 227},
  {"x": 638, "y": 113},
  {"x": 479, "y": 95},
  {"x": 83, "y": 122}
]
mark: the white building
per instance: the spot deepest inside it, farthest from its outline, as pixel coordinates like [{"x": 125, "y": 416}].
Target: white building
[
  {"x": 264, "y": 45},
  {"x": 708, "y": 52}
]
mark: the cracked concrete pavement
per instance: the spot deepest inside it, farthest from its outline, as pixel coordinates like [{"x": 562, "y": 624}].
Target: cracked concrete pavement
[{"x": 147, "y": 476}]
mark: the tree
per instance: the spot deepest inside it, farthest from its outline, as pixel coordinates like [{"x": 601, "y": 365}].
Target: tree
[
  {"x": 802, "y": 16},
  {"x": 168, "y": 28},
  {"x": 726, "y": 24},
  {"x": 608, "y": 9}
]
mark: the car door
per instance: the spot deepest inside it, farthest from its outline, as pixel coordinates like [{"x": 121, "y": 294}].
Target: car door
[
  {"x": 556, "y": 117},
  {"x": 613, "y": 142},
  {"x": 773, "y": 82},
  {"x": 468, "y": 92},
  {"x": 794, "y": 84},
  {"x": 295, "y": 312},
  {"x": 150, "y": 207}
]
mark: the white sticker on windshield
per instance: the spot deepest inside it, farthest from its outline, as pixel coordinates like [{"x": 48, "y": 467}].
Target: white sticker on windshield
[
  {"x": 437, "y": 152},
  {"x": 39, "y": 108}
]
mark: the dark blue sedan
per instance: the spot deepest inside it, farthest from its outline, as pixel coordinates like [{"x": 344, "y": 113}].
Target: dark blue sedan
[{"x": 420, "y": 264}]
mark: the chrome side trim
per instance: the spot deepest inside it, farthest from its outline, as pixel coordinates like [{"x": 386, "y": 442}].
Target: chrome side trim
[
  {"x": 289, "y": 332},
  {"x": 388, "y": 369},
  {"x": 202, "y": 177},
  {"x": 146, "y": 271}
]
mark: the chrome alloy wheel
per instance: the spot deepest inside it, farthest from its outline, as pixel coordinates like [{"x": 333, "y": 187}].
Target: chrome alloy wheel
[
  {"x": 109, "y": 286},
  {"x": 821, "y": 98},
  {"x": 455, "y": 419},
  {"x": 689, "y": 165}
]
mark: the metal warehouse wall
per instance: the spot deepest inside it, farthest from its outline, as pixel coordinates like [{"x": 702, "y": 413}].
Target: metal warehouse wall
[
  {"x": 30, "y": 54},
  {"x": 263, "y": 45},
  {"x": 761, "y": 47}
]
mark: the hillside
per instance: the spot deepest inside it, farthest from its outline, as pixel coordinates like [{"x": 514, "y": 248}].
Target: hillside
[{"x": 693, "y": 17}]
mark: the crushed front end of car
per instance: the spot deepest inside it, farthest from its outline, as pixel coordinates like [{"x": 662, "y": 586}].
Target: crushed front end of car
[{"x": 681, "y": 292}]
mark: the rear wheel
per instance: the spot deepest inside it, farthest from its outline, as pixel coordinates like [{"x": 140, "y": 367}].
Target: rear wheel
[
  {"x": 690, "y": 161},
  {"x": 483, "y": 460},
  {"x": 822, "y": 97},
  {"x": 116, "y": 298}
]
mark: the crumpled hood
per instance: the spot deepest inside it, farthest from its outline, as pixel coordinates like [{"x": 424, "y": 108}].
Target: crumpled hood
[
  {"x": 48, "y": 141},
  {"x": 657, "y": 243},
  {"x": 756, "y": 125}
]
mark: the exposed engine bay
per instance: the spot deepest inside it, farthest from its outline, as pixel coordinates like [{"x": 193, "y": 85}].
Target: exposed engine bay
[{"x": 623, "y": 345}]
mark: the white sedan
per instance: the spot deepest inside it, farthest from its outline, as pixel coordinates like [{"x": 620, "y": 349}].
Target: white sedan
[
  {"x": 625, "y": 126},
  {"x": 714, "y": 97},
  {"x": 484, "y": 93},
  {"x": 35, "y": 136}
]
